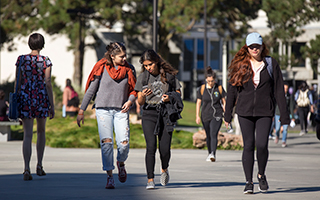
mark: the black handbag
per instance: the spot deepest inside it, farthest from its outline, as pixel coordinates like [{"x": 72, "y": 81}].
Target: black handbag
[{"x": 13, "y": 98}]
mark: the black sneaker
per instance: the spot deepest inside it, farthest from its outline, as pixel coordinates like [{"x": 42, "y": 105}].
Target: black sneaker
[
  {"x": 263, "y": 184},
  {"x": 248, "y": 189}
]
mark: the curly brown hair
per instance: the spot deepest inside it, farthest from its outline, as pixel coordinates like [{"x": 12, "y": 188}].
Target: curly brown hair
[{"x": 240, "y": 70}]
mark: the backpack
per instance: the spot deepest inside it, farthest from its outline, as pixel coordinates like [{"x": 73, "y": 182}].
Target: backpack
[
  {"x": 269, "y": 66},
  {"x": 303, "y": 99},
  {"x": 204, "y": 86},
  {"x": 74, "y": 101}
]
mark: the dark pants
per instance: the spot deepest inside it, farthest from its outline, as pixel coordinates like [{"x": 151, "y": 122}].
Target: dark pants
[
  {"x": 255, "y": 133},
  {"x": 149, "y": 120},
  {"x": 212, "y": 128},
  {"x": 303, "y": 116}
]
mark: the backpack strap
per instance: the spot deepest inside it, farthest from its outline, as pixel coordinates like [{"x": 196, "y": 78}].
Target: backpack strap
[
  {"x": 202, "y": 89},
  {"x": 269, "y": 66},
  {"x": 220, "y": 89},
  {"x": 145, "y": 77}
]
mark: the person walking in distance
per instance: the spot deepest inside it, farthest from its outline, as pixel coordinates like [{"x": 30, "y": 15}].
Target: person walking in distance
[
  {"x": 111, "y": 82},
  {"x": 70, "y": 100},
  {"x": 35, "y": 99},
  {"x": 212, "y": 97},
  {"x": 255, "y": 83},
  {"x": 304, "y": 100},
  {"x": 277, "y": 117}
]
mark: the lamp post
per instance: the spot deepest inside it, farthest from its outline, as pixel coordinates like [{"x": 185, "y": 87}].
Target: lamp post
[
  {"x": 205, "y": 37},
  {"x": 155, "y": 26}
]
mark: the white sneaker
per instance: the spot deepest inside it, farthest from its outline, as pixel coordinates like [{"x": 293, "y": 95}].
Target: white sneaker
[
  {"x": 230, "y": 131},
  {"x": 211, "y": 158},
  {"x": 164, "y": 178},
  {"x": 150, "y": 185},
  {"x": 302, "y": 133}
]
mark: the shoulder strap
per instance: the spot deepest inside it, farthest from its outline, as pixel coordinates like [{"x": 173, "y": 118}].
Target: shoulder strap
[
  {"x": 145, "y": 77},
  {"x": 220, "y": 89},
  {"x": 202, "y": 89},
  {"x": 18, "y": 77},
  {"x": 171, "y": 79},
  {"x": 269, "y": 67}
]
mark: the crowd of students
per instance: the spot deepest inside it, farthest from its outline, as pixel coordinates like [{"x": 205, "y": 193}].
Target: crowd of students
[{"x": 256, "y": 91}]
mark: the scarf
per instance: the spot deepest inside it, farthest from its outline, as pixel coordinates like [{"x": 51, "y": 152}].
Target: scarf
[{"x": 115, "y": 74}]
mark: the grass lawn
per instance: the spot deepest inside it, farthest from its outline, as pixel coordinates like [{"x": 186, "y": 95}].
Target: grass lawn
[{"x": 65, "y": 133}]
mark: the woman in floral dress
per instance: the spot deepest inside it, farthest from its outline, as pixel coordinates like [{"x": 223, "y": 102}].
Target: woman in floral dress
[{"x": 35, "y": 99}]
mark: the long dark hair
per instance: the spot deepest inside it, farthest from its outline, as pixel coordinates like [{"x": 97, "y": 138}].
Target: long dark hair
[
  {"x": 303, "y": 86},
  {"x": 240, "y": 70},
  {"x": 68, "y": 84},
  {"x": 114, "y": 48},
  {"x": 163, "y": 66}
]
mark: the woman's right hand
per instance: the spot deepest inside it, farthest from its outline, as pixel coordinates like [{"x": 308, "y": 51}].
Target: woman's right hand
[
  {"x": 146, "y": 92},
  {"x": 226, "y": 124},
  {"x": 52, "y": 112},
  {"x": 80, "y": 118},
  {"x": 198, "y": 120}
]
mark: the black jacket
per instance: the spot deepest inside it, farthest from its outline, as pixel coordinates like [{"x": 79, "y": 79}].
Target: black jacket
[
  {"x": 260, "y": 101},
  {"x": 169, "y": 112}
]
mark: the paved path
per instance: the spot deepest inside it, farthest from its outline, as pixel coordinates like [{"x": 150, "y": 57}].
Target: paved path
[{"x": 292, "y": 173}]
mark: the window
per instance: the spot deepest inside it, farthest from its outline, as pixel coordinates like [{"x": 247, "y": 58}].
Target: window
[{"x": 188, "y": 54}]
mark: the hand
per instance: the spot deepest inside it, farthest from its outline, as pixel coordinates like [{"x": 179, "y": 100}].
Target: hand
[
  {"x": 198, "y": 120},
  {"x": 165, "y": 98},
  {"x": 146, "y": 92},
  {"x": 51, "y": 112},
  {"x": 226, "y": 124},
  {"x": 126, "y": 106},
  {"x": 80, "y": 118}
]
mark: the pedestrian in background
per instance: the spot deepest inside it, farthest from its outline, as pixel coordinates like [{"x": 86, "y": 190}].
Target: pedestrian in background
[
  {"x": 70, "y": 100},
  {"x": 3, "y": 107},
  {"x": 255, "y": 82},
  {"x": 35, "y": 99},
  {"x": 157, "y": 87},
  {"x": 277, "y": 117},
  {"x": 304, "y": 100},
  {"x": 111, "y": 82},
  {"x": 211, "y": 96}
]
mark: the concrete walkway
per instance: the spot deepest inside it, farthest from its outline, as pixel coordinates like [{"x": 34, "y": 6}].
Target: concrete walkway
[{"x": 292, "y": 173}]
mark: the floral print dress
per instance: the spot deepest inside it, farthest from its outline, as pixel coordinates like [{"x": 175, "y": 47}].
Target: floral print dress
[{"x": 33, "y": 99}]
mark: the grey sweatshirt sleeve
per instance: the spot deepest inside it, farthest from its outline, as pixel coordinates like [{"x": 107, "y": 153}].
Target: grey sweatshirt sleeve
[
  {"x": 93, "y": 87},
  {"x": 132, "y": 98}
]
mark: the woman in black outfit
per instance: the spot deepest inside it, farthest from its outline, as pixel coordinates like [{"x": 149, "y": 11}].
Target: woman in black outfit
[
  {"x": 256, "y": 83},
  {"x": 212, "y": 97},
  {"x": 157, "y": 78}
]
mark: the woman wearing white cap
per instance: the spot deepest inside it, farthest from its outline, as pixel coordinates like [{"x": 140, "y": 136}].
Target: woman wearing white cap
[{"x": 256, "y": 83}]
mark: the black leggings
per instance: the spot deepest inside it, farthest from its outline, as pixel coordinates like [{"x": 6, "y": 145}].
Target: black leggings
[
  {"x": 149, "y": 120},
  {"x": 212, "y": 128},
  {"x": 255, "y": 132},
  {"x": 303, "y": 116}
]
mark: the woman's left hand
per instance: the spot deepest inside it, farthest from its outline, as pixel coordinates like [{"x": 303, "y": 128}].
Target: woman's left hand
[
  {"x": 165, "y": 98},
  {"x": 126, "y": 106}
]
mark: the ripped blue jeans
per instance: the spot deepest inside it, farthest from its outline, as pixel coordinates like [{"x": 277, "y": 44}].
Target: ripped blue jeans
[{"x": 109, "y": 119}]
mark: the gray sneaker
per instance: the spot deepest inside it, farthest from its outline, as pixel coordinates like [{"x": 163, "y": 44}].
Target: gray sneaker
[
  {"x": 150, "y": 185},
  {"x": 164, "y": 179}
]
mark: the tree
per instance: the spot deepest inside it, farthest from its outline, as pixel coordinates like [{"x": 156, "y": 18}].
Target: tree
[
  {"x": 72, "y": 18},
  {"x": 286, "y": 19},
  {"x": 180, "y": 16},
  {"x": 18, "y": 18},
  {"x": 313, "y": 52}
]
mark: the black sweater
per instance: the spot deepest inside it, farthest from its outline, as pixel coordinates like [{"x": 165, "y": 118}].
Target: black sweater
[{"x": 260, "y": 101}]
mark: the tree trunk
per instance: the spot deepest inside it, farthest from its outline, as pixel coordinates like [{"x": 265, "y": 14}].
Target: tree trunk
[{"x": 78, "y": 59}]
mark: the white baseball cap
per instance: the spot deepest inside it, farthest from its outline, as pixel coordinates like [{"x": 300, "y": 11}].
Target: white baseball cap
[{"x": 253, "y": 38}]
